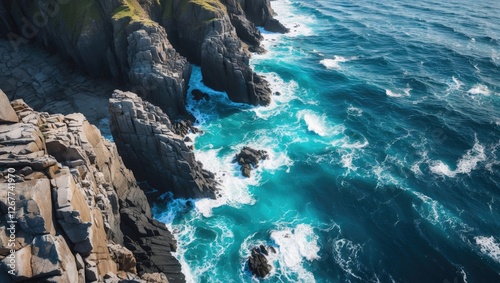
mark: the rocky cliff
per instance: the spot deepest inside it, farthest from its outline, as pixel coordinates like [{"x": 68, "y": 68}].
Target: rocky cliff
[
  {"x": 69, "y": 209},
  {"x": 149, "y": 146},
  {"x": 130, "y": 41}
]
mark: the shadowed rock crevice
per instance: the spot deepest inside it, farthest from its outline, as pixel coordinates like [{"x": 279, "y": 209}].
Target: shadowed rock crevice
[{"x": 149, "y": 146}]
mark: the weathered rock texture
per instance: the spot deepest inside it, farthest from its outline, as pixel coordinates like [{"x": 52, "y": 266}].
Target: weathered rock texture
[
  {"x": 48, "y": 83},
  {"x": 149, "y": 146},
  {"x": 129, "y": 40},
  {"x": 248, "y": 158},
  {"x": 80, "y": 215},
  {"x": 257, "y": 261}
]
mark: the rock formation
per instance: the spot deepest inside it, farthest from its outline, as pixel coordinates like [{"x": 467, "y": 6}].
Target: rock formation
[
  {"x": 80, "y": 215},
  {"x": 48, "y": 83},
  {"x": 129, "y": 40},
  {"x": 257, "y": 261},
  {"x": 149, "y": 146},
  {"x": 248, "y": 158}
]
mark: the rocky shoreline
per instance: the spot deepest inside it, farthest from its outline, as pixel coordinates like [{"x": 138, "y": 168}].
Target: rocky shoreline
[
  {"x": 87, "y": 220},
  {"x": 80, "y": 215}
]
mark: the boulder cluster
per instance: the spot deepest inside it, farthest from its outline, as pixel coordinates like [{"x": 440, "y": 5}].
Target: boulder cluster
[
  {"x": 248, "y": 158},
  {"x": 257, "y": 261},
  {"x": 80, "y": 215}
]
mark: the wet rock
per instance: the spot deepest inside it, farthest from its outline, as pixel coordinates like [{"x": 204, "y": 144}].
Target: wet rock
[
  {"x": 248, "y": 158},
  {"x": 258, "y": 264}
]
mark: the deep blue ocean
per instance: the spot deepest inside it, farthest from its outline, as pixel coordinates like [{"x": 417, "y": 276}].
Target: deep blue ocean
[{"x": 384, "y": 149}]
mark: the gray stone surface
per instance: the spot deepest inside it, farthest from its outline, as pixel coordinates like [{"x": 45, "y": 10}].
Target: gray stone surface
[{"x": 149, "y": 146}]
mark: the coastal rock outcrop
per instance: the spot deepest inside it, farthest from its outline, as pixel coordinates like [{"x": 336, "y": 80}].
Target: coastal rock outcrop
[
  {"x": 72, "y": 199},
  {"x": 258, "y": 263},
  {"x": 149, "y": 146},
  {"x": 130, "y": 41},
  {"x": 249, "y": 158}
]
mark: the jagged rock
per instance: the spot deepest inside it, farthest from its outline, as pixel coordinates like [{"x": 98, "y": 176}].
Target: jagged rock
[
  {"x": 51, "y": 256},
  {"x": 146, "y": 141},
  {"x": 258, "y": 264},
  {"x": 154, "y": 278},
  {"x": 159, "y": 71},
  {"x": 123, "y": 257},
  {"x": 95, "y": 198},
  {"x": 248, "y": 158},
  {"x": 274, "y": 25},
  {"x": 7, "y": 114}
]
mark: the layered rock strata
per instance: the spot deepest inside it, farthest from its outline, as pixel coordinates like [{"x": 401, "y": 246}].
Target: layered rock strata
[
  {"x": 149, "y": 146},
  {"x": 79, "y": 215}
]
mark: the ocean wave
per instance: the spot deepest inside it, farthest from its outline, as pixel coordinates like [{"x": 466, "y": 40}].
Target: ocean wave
[
  {"x": 335, "y": 62},
  {"x": 405, "y": 93},
  {"x": 479, "y": 89},
  {"x": 489, "y": 246},
  {"x": 465, "y": 165},
  {"x": 287, "y": 92},
  {"x": 294, "y": 246},
  {"x": 318, "y": 124}
]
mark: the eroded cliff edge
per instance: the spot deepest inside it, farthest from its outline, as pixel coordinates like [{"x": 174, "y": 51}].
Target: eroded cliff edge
[
  {"x": 145, "y": 43},
  {"x": 80, "y": 215}
]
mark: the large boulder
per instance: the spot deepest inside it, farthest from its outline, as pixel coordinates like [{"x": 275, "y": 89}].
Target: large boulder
[{"x": 7, "y": 113}]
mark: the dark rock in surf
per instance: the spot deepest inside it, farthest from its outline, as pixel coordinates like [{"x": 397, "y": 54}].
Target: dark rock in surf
[
  {"x": 249, "y": 158},
  {"x": 258, "y": 264}
]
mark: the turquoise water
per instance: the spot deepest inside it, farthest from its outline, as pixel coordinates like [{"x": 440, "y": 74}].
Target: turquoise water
[{"x": 384, "y": 150}]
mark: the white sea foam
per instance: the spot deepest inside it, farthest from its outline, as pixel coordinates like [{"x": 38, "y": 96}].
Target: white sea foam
[
  {"x": 295, "y": 245},
  {"x": 288, "y": 91},
  {"x": 354, "y": 111},
  {"x": 335, "y": 62},
  {"x": 346, "y": 253},
  {"x": 465, "y": 165},
  {"x": 489, "y": 246},
  {"x": 479, "y": 89},
  {"x": 317, "y": 123},
  {"x": 405, "y": 93}
]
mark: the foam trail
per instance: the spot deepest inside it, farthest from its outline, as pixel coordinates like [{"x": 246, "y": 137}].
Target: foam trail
[
  {"x": 335, "y": 62},
  {"x": 465, "y": 165},
  {"x": 489, "y": 246},
  {"x": 405, "y": 93}
]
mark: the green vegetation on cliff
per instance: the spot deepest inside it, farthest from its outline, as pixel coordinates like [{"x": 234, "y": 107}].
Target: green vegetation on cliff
[
  {"x": 76, "y": 14},
  {"x": 132, "y": 9}
]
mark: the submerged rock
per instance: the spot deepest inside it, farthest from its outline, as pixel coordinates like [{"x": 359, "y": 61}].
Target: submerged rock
[{"x": 249, "y": 158}]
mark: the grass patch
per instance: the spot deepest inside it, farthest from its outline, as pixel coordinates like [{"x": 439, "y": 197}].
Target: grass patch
[{"x": 132, "y": 9}]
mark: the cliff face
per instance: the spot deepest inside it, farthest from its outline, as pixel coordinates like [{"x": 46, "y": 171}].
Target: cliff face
[
  {"x": 80, "y": 215},
  {"x": 129, "y": 40},
  {"x": 150, "y": 147}
]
